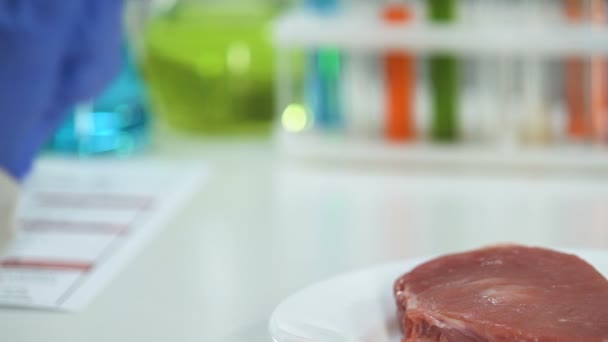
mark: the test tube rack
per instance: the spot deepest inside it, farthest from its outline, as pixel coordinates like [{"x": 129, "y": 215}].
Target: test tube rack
[{"x": 305, "y": 31}]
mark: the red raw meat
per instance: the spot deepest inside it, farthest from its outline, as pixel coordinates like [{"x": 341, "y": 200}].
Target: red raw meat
[{"x": 504, "y": 293}]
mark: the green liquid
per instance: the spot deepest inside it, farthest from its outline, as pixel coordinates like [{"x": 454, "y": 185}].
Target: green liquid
[
  {"x": 211, "y": 70},
  {"x": 442, "y": 10},
  {"x": 444, "y": 79},
  {"x": 444, "y": 82}
]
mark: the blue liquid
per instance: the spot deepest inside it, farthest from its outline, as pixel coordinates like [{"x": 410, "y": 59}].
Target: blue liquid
[
  {"x": 324, "y": 6},
  {"x": 116, "y": 122},
  {"x": 324, "y": 75},
  {"x": 324, "y": 88}
]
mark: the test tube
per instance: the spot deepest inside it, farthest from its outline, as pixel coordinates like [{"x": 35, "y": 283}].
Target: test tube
[
  {"x": 575, "y": 79},
  {"x": 511, "y": 74},
  {"x": 599, "y": 87},
  {"x": 324, "y": 76},
  {"x": 361, "y": 81},
  {"x": 537, "y": 121},
  {"x": 443, "y": 72},
  {"x": 487, "y": 13},
  {"x": 400, "y": 125}
]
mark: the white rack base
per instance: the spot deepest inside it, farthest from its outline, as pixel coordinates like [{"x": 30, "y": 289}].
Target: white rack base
[{"x": 308, "y": 147}]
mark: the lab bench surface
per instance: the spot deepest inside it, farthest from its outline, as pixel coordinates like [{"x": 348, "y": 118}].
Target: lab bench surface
[{"x": 263, "y": 227}]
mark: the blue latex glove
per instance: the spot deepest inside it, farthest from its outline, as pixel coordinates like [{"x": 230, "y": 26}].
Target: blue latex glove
[{"x": 53, "y": 53}]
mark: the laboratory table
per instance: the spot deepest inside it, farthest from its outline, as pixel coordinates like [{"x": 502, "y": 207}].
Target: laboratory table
[{"x": 263, "y": 227}]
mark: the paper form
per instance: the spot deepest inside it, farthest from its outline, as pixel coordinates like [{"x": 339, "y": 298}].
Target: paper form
[{"x": 80, "y": 222}]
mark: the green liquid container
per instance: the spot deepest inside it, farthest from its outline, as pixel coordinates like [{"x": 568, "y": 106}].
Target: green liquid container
[
  {"x": 444, "y": 75},
  {"x": 210, "y": 68}
]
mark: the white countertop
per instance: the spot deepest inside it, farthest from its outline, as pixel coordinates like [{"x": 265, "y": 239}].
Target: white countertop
[{"x": 263, "y": 228}]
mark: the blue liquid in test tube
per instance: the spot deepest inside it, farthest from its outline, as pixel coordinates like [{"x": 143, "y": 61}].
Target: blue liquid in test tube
[{"x": 324, "y": 76}]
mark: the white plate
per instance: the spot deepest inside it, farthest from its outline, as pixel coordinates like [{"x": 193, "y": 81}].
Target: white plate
[{"x": 359, "y": 307}]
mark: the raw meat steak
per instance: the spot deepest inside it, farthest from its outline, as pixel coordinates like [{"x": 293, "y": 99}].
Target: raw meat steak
[{"x": 504, "y": 293}]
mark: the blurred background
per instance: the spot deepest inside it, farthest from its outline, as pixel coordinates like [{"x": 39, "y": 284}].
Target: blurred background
[
  {"x": 342, "y": 134},
  {"x": 321, "y": 76}
]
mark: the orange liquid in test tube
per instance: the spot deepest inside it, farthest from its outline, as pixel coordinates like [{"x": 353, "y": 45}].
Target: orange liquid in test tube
[
  {"x": 578, "y": 123},
  {"x": 400, "y": 83},
  {"x": 599, "y": 86},
  {"x": 576, "y": 95}
]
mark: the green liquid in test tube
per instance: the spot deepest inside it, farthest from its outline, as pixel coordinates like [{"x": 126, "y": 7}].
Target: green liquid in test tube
[{"x": 444, "y": 79}]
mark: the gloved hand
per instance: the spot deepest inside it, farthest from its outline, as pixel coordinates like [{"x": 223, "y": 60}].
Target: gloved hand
[{"x": 53, "y": 53}]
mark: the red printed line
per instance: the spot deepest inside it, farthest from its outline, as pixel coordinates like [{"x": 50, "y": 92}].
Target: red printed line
[
  {"x": 94, "y": 201},
  {"x": 80, "y": 227},
  {"x": 46, "y": 265}
]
